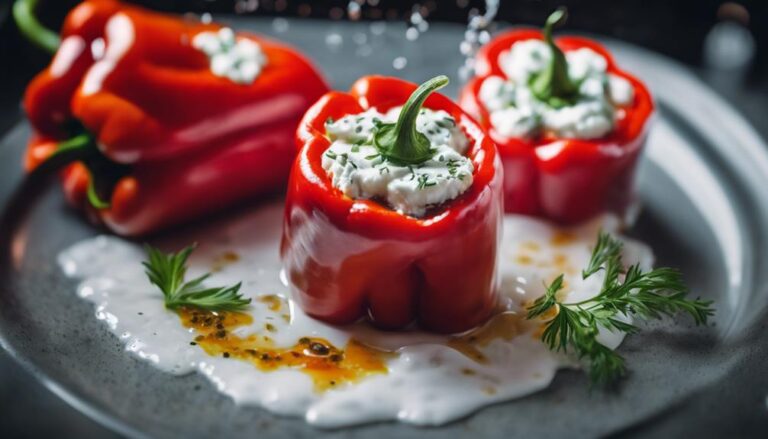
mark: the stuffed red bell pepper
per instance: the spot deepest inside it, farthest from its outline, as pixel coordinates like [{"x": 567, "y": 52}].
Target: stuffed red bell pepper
[
  {"x": 568, "y": 122},
  {"x": 159, "y": 119},
  {"x": 393, "y": 209}
]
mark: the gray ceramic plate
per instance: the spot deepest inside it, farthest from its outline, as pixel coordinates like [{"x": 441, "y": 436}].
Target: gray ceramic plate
[{"x": 703, "y": 187}]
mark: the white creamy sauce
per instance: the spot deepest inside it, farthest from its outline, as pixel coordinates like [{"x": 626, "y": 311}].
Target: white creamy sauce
[
  {"x": 359, "y": 171},
  {"x": 428, "y": 382},
  {"x": 238, "y": 59},
  {"x": 515, "y": 112}
]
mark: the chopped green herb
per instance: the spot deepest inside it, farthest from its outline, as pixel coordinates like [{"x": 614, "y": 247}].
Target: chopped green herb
[
  {"x": 424, "y": 182},
  {"x": 167, "y": 272},
  {"x": 453, "y": 166}
]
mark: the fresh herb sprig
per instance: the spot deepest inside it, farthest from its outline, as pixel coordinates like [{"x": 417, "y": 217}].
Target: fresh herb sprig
[
  {"x": 646, "y": 295},
  {"x": 168, "y": 270}
]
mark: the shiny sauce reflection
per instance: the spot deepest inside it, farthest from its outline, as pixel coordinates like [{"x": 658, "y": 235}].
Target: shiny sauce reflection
[{"x": 327, "y": 365}]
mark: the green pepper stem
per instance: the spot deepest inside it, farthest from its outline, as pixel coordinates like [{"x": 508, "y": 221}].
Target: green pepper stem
[
  {"x": 33, "y": 30},
  {"x": 82, "y": 148},
  {"x": 401, "y": 142},
  {"x": 553, "y": 84},
  {"x": 76, "y": 149}
]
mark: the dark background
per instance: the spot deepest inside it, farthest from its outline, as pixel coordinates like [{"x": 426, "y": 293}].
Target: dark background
[{"x": 679, "y": 29}]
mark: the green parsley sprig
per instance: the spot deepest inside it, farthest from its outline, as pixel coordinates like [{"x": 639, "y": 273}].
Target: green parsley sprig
[
  {"x": 646, "y": 295},
  {"x": 168, "y": 270}
]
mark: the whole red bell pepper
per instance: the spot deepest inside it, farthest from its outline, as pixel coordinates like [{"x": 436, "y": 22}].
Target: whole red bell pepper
[
  {"x": 149, "y": 134},
  {"x": 564, "y": 179},
  {"x": 346, "y": 258}
]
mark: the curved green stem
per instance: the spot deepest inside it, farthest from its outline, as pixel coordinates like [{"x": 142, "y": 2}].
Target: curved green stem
[
  {"x": 553, "y": 84},
  {"x": 30, "y": 26},
  {"x": 76, "y": 149},
  {"x": 401, "y": 142},
  {"x": 104, "y": 173}
]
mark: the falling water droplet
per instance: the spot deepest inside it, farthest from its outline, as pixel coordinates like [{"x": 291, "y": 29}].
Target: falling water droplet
[
  {"x": 412, "y": 34},
  {"x": 399, "y": 63},
  {"x": 246, "y": 6},
  {"x": 354, "y": 10},
  {"x": 360, "y": 38},
  {"x": 378, "y": 28},
  {"x": 280, "y": 25},
  {"x": 364, "y": 51},
  {"x": 334, "y": 40},
  {"x": 478, "y": 33},
  {"x": 206, "y": 17}
]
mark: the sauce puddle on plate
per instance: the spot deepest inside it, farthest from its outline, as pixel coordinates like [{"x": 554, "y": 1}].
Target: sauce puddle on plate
[{"x": 274, "y": 356}]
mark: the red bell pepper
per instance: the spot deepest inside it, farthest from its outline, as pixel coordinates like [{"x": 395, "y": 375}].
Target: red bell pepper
[
  {"x": 153, "y": 131},
  {"x": 566, "y": 180},
  {"x": 350, "y": 258}
]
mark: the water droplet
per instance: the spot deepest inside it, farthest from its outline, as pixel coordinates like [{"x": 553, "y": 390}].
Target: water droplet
[
  {"x": 364, "y": 51},
  {"x": 477, "y": 34},
  {"x": 729, "y": 46},
  {"x": 411, "y": 34},
  {"x": 280, "y": 25},
  {"x": 484, "y": 37},
  {"x": 360, "y": 38},
  {"x": 378, "y": 27},
  {"x": 334, "y": 40},
  {"x": 354, "y": 10},
  {"x": 399, "y": 63},
  {"x": 206, "y": 18},
  {"x": 246, "y": 6}
]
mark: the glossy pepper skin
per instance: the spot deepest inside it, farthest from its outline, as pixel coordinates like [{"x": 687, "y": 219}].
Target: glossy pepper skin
[
  {"x": 347, "y": 259},
  {"x": 565, "y": 180},
  {"x": 192, "y": 142}
]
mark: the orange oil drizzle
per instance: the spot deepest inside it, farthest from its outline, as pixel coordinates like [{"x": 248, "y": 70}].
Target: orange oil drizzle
[
  {"x": 562, "y": 238},
  {"x": 223, "y": 260},
  {"x": 503, "y": 326},
  {"x": 327, "y": 365}
]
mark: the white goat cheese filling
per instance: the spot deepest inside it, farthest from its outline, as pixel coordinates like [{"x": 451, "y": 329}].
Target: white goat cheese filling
[
  {"x": 238, "y": 59},
  {"x": 360, "y": 172},
  {"x": 515, "y": 111}
]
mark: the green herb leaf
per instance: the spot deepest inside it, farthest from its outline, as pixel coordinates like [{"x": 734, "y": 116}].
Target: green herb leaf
[
  {"x": 401, "y": 143},
  {"x": 646, "y": 295},
  {"x": 553, "y": 85},
  {"x": 168, "y": 270}
]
